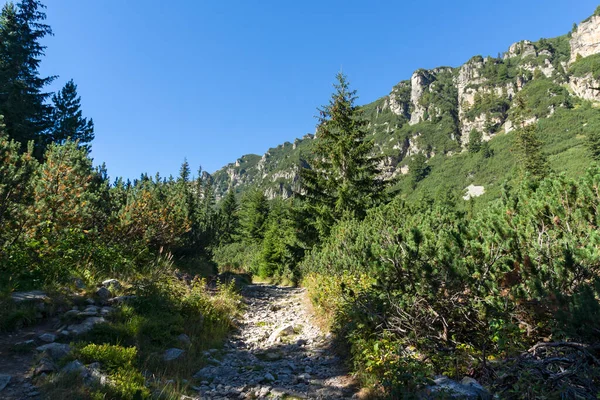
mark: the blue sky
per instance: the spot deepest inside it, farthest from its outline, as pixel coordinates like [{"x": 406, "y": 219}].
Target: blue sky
[{"x": 213, "y": 80}]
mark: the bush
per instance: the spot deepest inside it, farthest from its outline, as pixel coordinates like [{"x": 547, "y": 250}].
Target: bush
[{"x": 485, "y": 287}]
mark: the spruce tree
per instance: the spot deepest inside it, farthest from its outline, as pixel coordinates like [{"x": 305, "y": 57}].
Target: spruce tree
[
  {"x": 228, "y": 218},
  {"x": 343, "y": 176},
  {"x": 254, "y": 210},
  {"x": 67, "y": 118},
  {"x": 22, "y": 96},
  {"x": 529, "y": 152}
]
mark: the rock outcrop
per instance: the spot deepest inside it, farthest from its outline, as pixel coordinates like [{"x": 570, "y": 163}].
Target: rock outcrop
[{"x": 585, "y": 41}]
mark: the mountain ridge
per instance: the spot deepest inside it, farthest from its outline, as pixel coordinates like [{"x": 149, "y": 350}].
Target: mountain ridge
[{"x": 435, "y": 111}]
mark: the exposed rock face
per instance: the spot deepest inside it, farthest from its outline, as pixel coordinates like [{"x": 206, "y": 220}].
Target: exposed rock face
[
  {"x": 418, "y": 82},
  {"x": 523, "y": 48},
  {"x": 585, "y": 87},
  {"x": 585, "y": 41}
]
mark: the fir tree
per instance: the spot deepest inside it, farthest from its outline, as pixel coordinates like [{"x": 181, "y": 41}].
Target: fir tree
[
  {"x": 529, "y": 152},
  {"x": 474, "y": 141},
  {"x": 418, "y": 168},
  {"x": 228, "y": 218},
  {"x": 343, "y": 178},
  {"x": 22, "y": 96},
  {"x": 593, "y": 143},
  {"x": 67, "y": 117},
  {"x": 254, "y": 210}
]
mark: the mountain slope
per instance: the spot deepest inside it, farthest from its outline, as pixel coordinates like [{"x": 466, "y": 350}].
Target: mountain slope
[{"x": 435, "y": 112}]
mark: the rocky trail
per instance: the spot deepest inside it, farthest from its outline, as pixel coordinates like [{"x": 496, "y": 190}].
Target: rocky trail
[{"x": 276, "y": 353}]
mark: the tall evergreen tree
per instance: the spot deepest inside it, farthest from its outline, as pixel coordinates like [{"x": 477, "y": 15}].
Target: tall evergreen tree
[
  {"x": 254, "y": 210},
  {"x": 228, "y": 218},
  {"x": 22, "y": 96},
  {"x": 68, "y": 119},
  {"x": 343, "y": 178},
  {"x": 529, "y": 152}
]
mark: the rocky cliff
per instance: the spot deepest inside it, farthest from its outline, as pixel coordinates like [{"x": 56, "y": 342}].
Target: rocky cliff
[{"x": 435, "y": 111}]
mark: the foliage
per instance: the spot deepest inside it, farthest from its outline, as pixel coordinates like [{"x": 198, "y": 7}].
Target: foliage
[
  {"x": 586, "y": 65},
  {"x": 67, "y": 117},
  {"x": 485, "y": 286},
  {"x": 343, "y": 177},
  {"x": 22, "y": 100}
]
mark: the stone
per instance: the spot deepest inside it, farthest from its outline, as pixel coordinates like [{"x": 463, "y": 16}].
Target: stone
[
  {"x": 172, "y": 354},
  {"x": 85, "y": 326},
  {"x": 303, "y": 378},
  {"x": 120, "y": 299},
  {"x": 206, "y": 373},
  {"x": 103, "y": 293},
  {"x": 34, "y": 296},
  {"x": 45, "y": 366},
  {"x": 104, "y": 311},
  {"x": 47, "y": 337},
  {"x": 56, "y": 351},
  {"x": 283, "y": 331},
  {"x": 473, "y": 191},
  {"x": 269, "y": 377},
  {"x": 71, "y": 313},
  {"x": 74, "y": 367},
  {"x": 184, "y": 339},
  {"x": 446, "y": 388},
  {"x": 4, "y": 381},
  {"x": 112, "y": 284}
]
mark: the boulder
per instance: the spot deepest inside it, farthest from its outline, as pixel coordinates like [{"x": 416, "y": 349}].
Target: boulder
[
  {"x": 75, "y": 367},
  {"x": 444, "y": 387},
  {"x": 4, "y": 381},
  {"x": 112, "y": 284},
  {"x": 85, "y": 326},
  {"x": 34, "y": 296},
  {"x": 172, "y": 354},
  {"x": 103, "y": 293},
  {"x": 184, "y": 339},
  {"x": 44, "y": 367},
  {"x": 56, "y": 351},
  {"x": 47, "y": 337},
  {"x": 269, "y": 377},
  {"x": 283, "y": 331}
]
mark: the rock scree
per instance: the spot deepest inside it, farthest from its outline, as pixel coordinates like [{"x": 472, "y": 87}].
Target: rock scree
[{"x": 277, "y": 352}]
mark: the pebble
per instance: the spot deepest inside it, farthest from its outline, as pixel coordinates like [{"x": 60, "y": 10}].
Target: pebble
[{"x": 277, "y": 345}]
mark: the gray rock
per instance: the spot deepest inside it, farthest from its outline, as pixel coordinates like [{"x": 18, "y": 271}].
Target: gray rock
[
  {"x": 206, "y": 373},
  {"x": 45, "y": 366},
  {"x": 449, "y": 389},
  {"x": 184, "y": 339},
  {"x": 283, "y": 331},
  {"x": 103, "y": 293},
  {"x": 75, "y": 367},
  {"x": 56, "y": 351},
  {"x": 269, "y": 377},
  {"x": 34, "y": 295},
  {"x": 172, "y": 354},
  {"x": 47, "y": 337},
  {"x": 85, "y": 326},
  {"x": 111, "y": 284},
  {"x": 106, "y": 311},
  {"x": 71, "y": 313},
  {"x": 303, "y": 378},
  {"x": 120, "y": 299},
  {"x": 4, "y": 381}
]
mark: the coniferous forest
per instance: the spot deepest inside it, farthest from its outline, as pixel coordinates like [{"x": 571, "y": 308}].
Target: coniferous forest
[{"x": 427, "y": 292}]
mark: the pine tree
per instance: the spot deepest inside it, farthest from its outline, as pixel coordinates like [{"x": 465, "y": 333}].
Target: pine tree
[
  {"x": 67, "y": 117},
  {"x": 254, "y": 210},
  {"x": 474, "y": 141},
  {"x": 22, "y": 96},
  {"x": 343, "y": 178},
  {"x": 228, "y": 218},
  {"x": 593, "y": 144},
  {"x": 529, "y": 152},
  {"x": 418, "y": 168}
]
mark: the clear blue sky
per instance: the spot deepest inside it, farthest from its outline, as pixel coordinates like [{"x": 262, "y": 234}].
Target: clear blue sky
[{"x": 213, "y": 80}]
